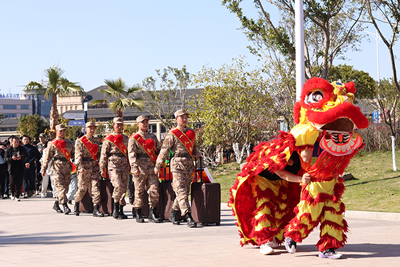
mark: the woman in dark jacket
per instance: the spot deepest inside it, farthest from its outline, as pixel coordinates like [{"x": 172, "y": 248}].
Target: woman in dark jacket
[
  {"x": 3, "y": 171},
  {"x": 15, "y": 156}
]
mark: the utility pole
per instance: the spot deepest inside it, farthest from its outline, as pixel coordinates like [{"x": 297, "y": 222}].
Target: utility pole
[{"x": 299, "y": 31}]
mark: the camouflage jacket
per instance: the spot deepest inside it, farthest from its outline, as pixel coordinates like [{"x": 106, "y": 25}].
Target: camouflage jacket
[
  {"x": 53, "y": 153},
  {"x": 138, "y": 157},
  {"x": 82, "y": 155},
  {"x": 111, "y": 157},
  {"x": 182, "y": 161}
]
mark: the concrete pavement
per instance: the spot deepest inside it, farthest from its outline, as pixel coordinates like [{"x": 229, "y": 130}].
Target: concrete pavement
[{"x": 32, "y": 234}]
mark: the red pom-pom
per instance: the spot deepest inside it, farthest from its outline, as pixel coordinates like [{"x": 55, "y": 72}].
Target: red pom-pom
[
  {"x": 118, "y": 138},
  {"x": 62, "y": 143},
  {"x": 150, "y": 143},
  {"x": 191, "y": 134}
]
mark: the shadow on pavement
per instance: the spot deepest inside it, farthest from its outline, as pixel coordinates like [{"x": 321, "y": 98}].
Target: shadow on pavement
[
  {"x": 46, "y": 239},
  {"x": 358, "y": 251}
]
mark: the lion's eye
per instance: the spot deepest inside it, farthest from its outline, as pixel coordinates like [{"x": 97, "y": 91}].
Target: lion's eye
[{"x": 314, "y": 97}]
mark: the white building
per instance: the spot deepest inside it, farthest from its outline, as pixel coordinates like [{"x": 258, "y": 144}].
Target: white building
[{"x": 14, "y": 106}]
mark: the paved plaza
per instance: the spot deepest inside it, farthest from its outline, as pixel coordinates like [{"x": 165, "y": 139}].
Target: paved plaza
[{"x": 32, "y": 234}]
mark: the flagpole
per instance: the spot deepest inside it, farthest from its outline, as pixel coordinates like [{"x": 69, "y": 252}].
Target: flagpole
[{"x": 299, "y": 31}]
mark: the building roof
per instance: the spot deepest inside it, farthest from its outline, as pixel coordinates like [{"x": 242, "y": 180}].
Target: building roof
[
  {"x": 9, "y": 122},
  {"x": 105, "y": 114},
  {"x": 95, "y": 93}
]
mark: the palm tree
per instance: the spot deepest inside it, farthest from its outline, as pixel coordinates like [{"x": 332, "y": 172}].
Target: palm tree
[
  {"x": 124, "y": 97},
  {"x": 55, "y": 86}
]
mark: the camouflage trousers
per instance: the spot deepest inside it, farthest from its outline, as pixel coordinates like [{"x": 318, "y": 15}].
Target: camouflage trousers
[
  {"x": 181, "y": 187},
  {"x": 119, "y": 180},
  {"x": 141, "y": 182},
  {"x": 62, "y": 178},
  {"x": 88, "y": 174}
]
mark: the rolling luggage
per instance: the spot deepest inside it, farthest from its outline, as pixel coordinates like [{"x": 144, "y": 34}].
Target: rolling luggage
[
  {"x": 167, "y": 197},
  {"x": 206, "y": 200},
  {"x": 107, "y": 202},
  {"x": 86, "y": 204}
]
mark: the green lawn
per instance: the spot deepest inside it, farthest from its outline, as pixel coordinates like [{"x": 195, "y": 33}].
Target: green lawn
[{"x": 375, "y": 186}]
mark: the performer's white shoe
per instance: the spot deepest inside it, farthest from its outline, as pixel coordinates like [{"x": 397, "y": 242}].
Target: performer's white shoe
[{"x": 266, "y": 248}]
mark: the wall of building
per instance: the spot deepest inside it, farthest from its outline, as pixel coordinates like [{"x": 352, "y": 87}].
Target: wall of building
[
  {"x": 69, "y": 103},
  {"x": 15, "y": 108}
]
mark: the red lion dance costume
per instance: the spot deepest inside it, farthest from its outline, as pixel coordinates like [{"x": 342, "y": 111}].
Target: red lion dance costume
[{"x": 326, "y": 119}]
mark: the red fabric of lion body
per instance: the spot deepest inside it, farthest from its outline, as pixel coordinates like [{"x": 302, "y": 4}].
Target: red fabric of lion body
[{"x": 245, "y": 202}]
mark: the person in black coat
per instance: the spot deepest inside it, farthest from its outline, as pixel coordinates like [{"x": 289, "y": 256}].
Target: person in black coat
[
  {"x": 30, "y": 166},
  {"x": 3, "y": 171},
  {"x": 15, "y": 156}
]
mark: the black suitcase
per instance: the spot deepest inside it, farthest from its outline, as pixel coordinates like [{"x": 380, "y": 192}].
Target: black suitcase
[
  {"x": 166, "y": 200},
  {"x": 107, "y": 202},
  {"x": 86, "y": 204},
  {"x": 206, "y": 201}
]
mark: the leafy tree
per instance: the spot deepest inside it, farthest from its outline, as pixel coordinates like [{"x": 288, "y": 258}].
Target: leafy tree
[
  {"x": 386, "y": 15},
  {"x": 163, "y": 99},
  {"x": 364, "y": 83},
  {"x": 281, "y": 84},
  {"x": 130, "y": 129},
  {"x": 55, "y": 86},
  {"x": 123, "y": 97},
  {"x": 32, "y": 125},
  {"x": 331, "y": 28},
  {"x": 233, "y": 103},
  {"x": 109, "y": 124}
]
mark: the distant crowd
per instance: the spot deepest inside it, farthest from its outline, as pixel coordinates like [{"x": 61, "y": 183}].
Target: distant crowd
[{"x": 20, "y": 165}]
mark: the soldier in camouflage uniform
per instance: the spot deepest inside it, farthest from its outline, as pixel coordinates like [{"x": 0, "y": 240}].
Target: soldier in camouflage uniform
[
  {"x": 142, "y": 168},
  {"x": 182, "y": 168},
  {"x": 117, "y": 163},
  {"x": 61, "y": 167},
  {"x": 88, "y": 169}
]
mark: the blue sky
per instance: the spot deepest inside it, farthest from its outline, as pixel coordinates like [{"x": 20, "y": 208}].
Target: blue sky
[{"x": 93, "y": 40}]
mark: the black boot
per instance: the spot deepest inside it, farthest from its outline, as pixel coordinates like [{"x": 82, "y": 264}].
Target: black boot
[
  {"x": 172, "y": 217},
  {"x": 121, "y": 215},
  {"x": 116, "y": 210},
  {"x": 56, "y": 207},
  {"x": 96, "y": 211},
  {"x": 190, "y": 222},
  {"x": 139, "y": 217},
  {"x": 76, "y": 208},
  {"x": 153, "y": 216},
  {"x": 67, "y": 210}
]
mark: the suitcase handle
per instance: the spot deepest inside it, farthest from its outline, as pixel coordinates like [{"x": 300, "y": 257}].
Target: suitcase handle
[
  {"x": 201, "y": 169},
  {"x": 169, "y": 172}
]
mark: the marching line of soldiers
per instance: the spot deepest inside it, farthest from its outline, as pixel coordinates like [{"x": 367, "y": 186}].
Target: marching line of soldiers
[{"x": 141, "y": 154}]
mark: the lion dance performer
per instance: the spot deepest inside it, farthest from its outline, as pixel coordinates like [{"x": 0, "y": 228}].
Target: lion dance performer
[{"x": 324, "y": 138}]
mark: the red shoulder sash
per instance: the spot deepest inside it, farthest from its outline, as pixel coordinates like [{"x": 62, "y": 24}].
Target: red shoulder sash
[
  {"x": 92, "y": 148},
  {"x": 184, "y": 139},
  {"x": 60, "y": 145},
  {"x": 117, "y": 141},
  {"x": 142, "y": 143}
]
